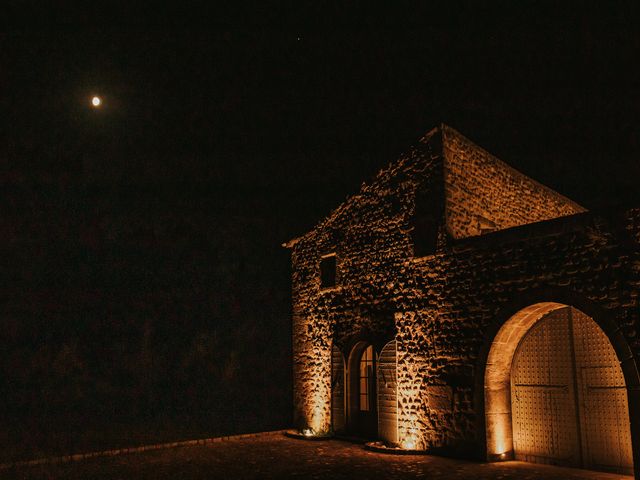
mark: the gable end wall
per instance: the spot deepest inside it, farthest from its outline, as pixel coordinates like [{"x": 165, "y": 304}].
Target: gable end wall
[{"x": 485, "y": 194}]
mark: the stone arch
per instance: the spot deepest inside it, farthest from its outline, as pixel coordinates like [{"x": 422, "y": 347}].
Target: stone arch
[
  {"x": 497, "y": 377},
  {"x": 494, "y": 371}
]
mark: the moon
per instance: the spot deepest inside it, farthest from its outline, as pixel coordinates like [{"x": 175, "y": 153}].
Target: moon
[{"x": 96, "y": 101}]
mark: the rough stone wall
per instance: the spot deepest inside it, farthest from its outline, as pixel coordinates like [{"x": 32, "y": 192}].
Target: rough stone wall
[
  {"x": 485, "y": 194},
  {"x": 480, "y": 279},
  {"x": 370, "y": 234},
  {"x": 441, "y": 307}
]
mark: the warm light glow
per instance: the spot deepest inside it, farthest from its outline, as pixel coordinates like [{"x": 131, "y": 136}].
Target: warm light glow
[
  {"x": 497, "y": 389},
  {"x": 318, "y": 406},
  {"x": 318, "y": 409},
  {"x": 409, "y": 444},
  {"x": 317, "y": 419},
  {"x": 500, "y": 438},
  {"x": 307, "y": 432},
  {"x": 96, "y": 101},
  {"x": 411, "y": 434}
]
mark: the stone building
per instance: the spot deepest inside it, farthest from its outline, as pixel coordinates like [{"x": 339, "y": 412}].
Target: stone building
[{"x": 455, "y": 305}]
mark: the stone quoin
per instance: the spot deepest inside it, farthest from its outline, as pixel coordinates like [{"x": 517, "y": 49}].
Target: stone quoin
[{"x": 456, "y": 306}]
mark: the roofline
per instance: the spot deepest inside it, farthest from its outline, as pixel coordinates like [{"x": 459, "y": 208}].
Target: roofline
[
  {"x": 291, "y": 243},
  {"x": 421, "y": 140},
  {"x": 441, "y": 127}
]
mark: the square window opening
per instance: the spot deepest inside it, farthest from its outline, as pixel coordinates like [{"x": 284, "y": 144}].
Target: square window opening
[{"x": 328, "y": 271}]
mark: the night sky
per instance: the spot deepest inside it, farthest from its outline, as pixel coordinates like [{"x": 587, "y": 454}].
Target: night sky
[
  {"x": 224, "y": 133},
  {"x": 310, "y": 97}
]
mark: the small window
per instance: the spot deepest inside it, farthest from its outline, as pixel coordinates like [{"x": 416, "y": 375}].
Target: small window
[
  {"x": 425, "y": 236},
  {"x": 366, "y": 378},
  {"x": 328, "y": 271}
]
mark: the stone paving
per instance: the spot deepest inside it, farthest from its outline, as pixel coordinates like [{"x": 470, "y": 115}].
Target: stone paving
[{"x": 276, "y": 456}]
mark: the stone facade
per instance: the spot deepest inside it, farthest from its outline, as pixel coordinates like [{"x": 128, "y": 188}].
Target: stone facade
[{"x": 502, "y": 242}]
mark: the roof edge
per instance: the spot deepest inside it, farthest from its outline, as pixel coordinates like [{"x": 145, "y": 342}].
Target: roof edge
[
  {"x": 424, "y": 139},
  {"x": 291, "y": 243}
]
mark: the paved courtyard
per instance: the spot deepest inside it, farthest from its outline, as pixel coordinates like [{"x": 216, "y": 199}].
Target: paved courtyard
[{"x": 276, "y": 456}]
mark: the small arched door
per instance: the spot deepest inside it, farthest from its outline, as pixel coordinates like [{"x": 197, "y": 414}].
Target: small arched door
[{"x": 363, "y": 405}]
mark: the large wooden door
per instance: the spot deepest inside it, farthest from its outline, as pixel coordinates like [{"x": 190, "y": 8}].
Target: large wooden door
[
  {"x": 569, "y": 401},
  {"x": 606, "y": 435}
]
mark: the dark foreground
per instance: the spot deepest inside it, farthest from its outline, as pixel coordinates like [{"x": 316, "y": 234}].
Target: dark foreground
[{"x": 276, "y": 456}]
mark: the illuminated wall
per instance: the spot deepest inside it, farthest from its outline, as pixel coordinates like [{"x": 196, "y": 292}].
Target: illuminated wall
[
  {"x": 443, "y": 309},
  {"x": 312, "y": 370},
  {"x": 484, "y": 193}
]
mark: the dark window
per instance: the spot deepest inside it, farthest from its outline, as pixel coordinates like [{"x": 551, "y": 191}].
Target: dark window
[
  {"x": 328, "y": 271},
  {"x": 425, "y": 236},
  {"x": 425, "y": 224},
  {"x": 366, "y": 378}
]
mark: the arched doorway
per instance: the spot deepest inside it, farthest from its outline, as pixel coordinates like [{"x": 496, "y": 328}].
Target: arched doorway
[
  {"x": 362, "y": 418},
  {"x": 555, "y": 392},
  {"x": 386, "y": 398}
]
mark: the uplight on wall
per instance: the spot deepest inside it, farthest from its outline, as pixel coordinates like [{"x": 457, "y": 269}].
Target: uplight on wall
[{"x": 409, "y": 436}]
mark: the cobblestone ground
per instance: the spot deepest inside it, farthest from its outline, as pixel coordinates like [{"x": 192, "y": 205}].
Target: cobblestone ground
[{"x": 276, "y": 456}]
